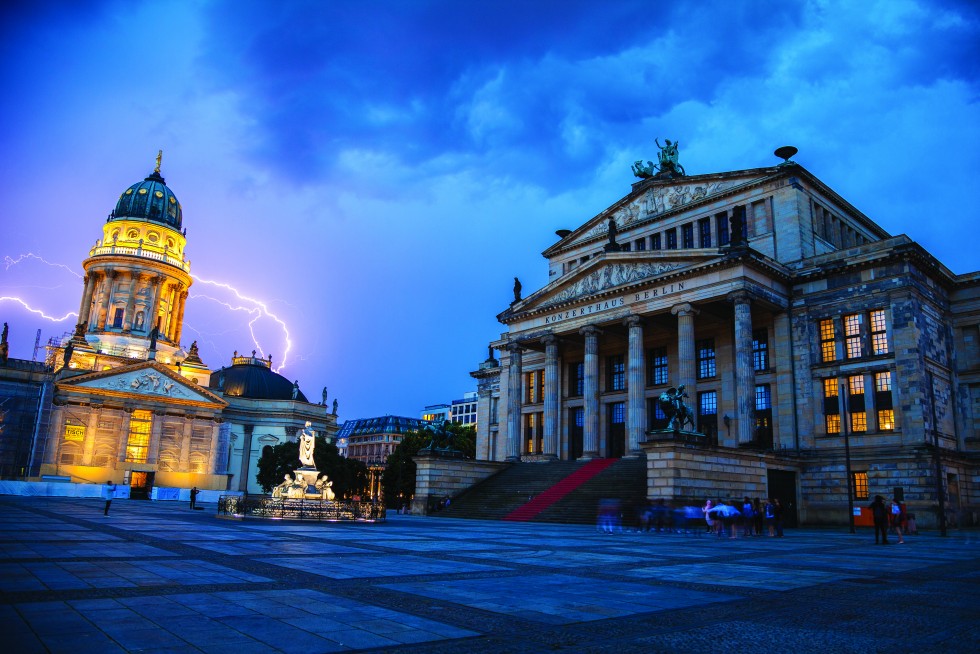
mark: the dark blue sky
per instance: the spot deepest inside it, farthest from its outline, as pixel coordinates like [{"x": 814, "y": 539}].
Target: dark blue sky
[{"x": 376, "y": 173}]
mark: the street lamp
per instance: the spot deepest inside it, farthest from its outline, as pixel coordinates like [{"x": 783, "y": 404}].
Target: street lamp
[{"x": 847, "y": 455}]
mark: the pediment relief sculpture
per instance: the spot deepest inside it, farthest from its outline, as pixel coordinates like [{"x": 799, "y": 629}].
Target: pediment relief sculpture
[
  {"x": 609, "y": 276},
  {"x": 147, "y": 381}
]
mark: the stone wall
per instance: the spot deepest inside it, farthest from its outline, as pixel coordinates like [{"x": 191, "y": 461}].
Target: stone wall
[
  {"x": 438, "y": 477},
  {"x": 689, "y": 475}
]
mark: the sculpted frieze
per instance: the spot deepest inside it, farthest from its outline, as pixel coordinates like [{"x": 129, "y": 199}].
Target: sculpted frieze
[
  {"x": 607, "y": 277},
  {"x": 144, "y": 382}
]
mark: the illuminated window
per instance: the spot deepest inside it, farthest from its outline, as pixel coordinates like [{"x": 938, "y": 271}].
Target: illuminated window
[
  {"x": 852, "y": 336},
  {"x": 533, "y": 437},
  {"x": 859, "y": 422},
  {"x": 879, "y": 332},
  {"x": 706, "y": 358},
  {"x": 828, "y": 346},
  {"x": 657, "y": 373},
  {"x": 615, "y": 373},
  {"x": 831, "y": 406},
  {"x": 886, "y": 419},
  {"x": 534, "y": 386},
  {"x": 760, "y": 350},
  {"x": 139, "y": 436},
  {"x": 883, "y": 401},
  {"x": 859, "y": 482},
  {"x": 855, "y": 403}
]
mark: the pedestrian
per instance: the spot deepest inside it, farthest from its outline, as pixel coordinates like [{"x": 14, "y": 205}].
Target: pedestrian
[
  {"x": 770, "y": 517},
  {"x": 707, "y": 516},
  {"x": 778, "y": 511},
  {"x": 897, "y": 516},
  {"x": 758, "y": 516},
  {"x": 194, "y": 493},
  {"x": 880, "y": 515},
  {"x": 108, "y": 492},
  {"x": 748, "y": 515}
]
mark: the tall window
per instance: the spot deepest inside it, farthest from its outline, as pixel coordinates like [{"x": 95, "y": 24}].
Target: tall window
[
  {"x": 879, "y": 335},
  {"x": 576, "y": 379},
  {"x": 831, "y": 406},
  {"x": 883, "y": 401},
  {"x": 671, "y": 239},
  {"x": 117, "y": 318},
  {"x": 828, "y": 344},
  {"x": 656, "y": 418},
  {"x": 708, "y": 413},
  {"x": 721, "y": 225},
  {"x": 704, "y": 232},
  {"x": 855, "y": 403},
  {"x": 655, "y": 241},
  {"x": 618, "y": 413},
  {"x": 641, "y": 244},
  {"x": 687, "y": 236},
  {"x": 657, "y": 373},
  {"x": 139, "y": 436},
  {"x": 859, "y": 482},
  {"x": 763, "y": 415},
  {"x": 534, "y": 386},
  {"x": 533, "y": 439},
  {"x": 760, "y": 350},
  {"x": 706, "y": 358},
  {"x": 615, "y": 373},
  {"x": 852, "y": 336}
]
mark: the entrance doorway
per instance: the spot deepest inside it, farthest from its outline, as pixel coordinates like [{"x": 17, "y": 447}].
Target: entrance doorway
[
  {"x": 782, "y": 486},
  {"x": 616, "y": 438},
  {"x": 140, "y": 484},
  {"x": 576, "y": 429}
]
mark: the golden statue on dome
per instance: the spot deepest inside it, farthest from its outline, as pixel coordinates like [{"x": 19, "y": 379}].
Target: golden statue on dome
[{"x": 159, "y": 159}]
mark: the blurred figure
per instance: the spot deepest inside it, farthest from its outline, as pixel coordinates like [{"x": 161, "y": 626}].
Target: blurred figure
[{"x": 608, "y": 515}]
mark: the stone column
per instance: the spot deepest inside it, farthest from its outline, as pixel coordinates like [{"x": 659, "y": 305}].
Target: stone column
[
  {"x": 636, "y": 408},
  {"x": 151, "y": 320},
  {"x": 124, "y": 433},
  {"x": 744, "y": 371},
  {"x": 590, "y": 435},
  {"x": 180, "y": 317},
  {"x": 86, "y": 307},
  {"x": 107, "y": 292},
  {"x": 214, "y": 465},
  {"x": 246, "y": 455},
  {"x": 156, "y": 429},
  {"x": 686, "y": 355},
  {"x": 514, "y": 400},
  {"x": 551, "y": 393},
  {"x": 56, "y": 433},
  {"x": 91, "y": 428},
  {"x": 131, "y": 303},
  {"x": 185, "y": 444}
]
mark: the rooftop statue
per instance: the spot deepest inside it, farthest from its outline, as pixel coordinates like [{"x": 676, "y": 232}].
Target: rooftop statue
[{"x": 667, "y": 166}]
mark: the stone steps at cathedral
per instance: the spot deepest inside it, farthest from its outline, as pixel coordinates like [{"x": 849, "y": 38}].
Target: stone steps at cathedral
[
  {"x": 505, "y": 493},
  {"x": 501, "y": 494}
]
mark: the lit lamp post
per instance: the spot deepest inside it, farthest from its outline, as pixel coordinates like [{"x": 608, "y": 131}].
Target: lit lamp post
[
  {"x": 847, "y": 456},
  {"x": 940, "y": 494}
]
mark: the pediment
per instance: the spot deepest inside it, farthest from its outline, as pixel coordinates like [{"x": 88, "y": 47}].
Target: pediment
[
  {"x": 147, "y": 379},
  {"x": 610, "y": 272},
  {"x": 656, "y": 200}
]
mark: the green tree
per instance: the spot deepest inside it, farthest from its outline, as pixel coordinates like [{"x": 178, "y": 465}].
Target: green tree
[
  {"x": 349, "y": 477},
  {"x": 398, "y": 479}
]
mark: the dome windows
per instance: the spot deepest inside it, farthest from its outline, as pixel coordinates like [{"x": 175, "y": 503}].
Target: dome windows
[
  {"x": 132, "y": 234},
  {"x": 152, "y": 237}
]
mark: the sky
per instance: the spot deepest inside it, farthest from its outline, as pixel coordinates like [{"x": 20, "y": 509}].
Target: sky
[{"x": 369, "y": 177}]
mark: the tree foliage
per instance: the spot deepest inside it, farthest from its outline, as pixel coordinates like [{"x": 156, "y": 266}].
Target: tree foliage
[
  {"x": 398, "y": 480},
  {"x": 349, "y": 477}
]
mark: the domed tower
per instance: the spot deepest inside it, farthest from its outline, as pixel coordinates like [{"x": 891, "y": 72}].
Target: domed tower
[{"x": 137, "y": 280}]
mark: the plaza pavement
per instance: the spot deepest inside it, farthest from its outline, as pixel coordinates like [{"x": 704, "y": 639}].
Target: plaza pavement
[{"x": 157, "y": 577}]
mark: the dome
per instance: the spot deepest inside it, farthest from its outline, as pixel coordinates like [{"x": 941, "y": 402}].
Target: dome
[
  {"x": 254, "y": 381},
  {"x": 151, "y": 200}
]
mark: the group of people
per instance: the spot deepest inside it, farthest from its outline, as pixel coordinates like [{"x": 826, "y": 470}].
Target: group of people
[
  {"x": 892, "y": 517},
  {"x": 750, "y": 517}
]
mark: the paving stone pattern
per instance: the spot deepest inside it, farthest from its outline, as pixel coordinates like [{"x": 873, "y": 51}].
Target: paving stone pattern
[{"x": 157, "y": 578}]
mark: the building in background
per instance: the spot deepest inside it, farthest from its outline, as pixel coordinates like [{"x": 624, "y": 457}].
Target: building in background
[
  {"x": 121, "y": 398},
  {"x": 793, "y": 323},
  {"x": 371, "y": 440},
  {"x": 437, "y": 413},
  {"x": 462, "y": 410}
]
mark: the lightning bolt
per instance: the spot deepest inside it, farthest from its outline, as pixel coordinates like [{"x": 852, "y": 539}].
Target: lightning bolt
[
  {"x": 257, "y": 310},
  {"x": 7, "y": 298},
  {"x": 9, "y": 261}
]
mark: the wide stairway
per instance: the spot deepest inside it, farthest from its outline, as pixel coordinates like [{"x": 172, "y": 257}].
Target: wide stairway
[{"x": 559, "y": 491}]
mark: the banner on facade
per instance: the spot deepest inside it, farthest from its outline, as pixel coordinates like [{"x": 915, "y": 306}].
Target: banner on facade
[{"x": 75, "y": 433}]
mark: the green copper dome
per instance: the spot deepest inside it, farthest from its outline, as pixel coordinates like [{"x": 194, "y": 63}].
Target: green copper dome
[{"x": 150, "y": 200}]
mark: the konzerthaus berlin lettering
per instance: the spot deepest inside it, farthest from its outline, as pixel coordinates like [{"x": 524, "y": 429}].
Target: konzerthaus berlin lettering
[{"x": 794, "y": 324}]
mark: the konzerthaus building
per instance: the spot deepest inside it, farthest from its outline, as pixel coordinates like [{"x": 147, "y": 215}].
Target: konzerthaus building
[{"x": 793, "y": 322}]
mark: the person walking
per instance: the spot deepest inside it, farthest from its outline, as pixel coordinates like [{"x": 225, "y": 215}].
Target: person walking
[
  {"x": 897, "y": 517},
  {"x": 770, "y": 517},
  {"x": 880, "y": 515},
  {"x": 194, "y": 493},
  {"x": 108, "y": 492},
  {"x": 748, "y": 517}
]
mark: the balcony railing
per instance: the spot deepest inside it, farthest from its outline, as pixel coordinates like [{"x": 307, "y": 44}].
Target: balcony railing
[{"x": 144, "y": 253}]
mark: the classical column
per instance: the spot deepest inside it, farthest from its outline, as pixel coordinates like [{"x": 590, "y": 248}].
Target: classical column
[
  {"x": 590, "y": 436},
  {"x": 215, "y": 465},
  {"x": 151, "y": 320},
  {"x": 180, "y": 317},
  {"x": 185, "y": 444},
  {"x": 156, "y": 429},
  {"x": 91, "y": 428},
  {"x": 744, "y": 370},
  {"x": 636, "y": 409},
  {"x": 246, "y": 455},
  {"x": 86, "y": 307},
  {"x": 686, "y": 356},
  {"x": 124, "y": 433},
  {"x": 56, "y": 433},
  {"x": 551, "y": 392},
  {"x": 134, "y": 283},
  {"x": 107, "y": 291},
  {"x": 514, "y": 386}
]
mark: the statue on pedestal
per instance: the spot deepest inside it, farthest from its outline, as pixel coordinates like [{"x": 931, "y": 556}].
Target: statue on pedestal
[
  {"x": 307, "y": 443},
  {"x": 672, "y": 403},
  {"x": 325, "y": 487}
]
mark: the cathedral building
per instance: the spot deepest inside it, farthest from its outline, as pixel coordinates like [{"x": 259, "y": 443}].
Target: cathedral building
[
  {"x": 824, "y": 360},
  {"x": 129, "y": 402}
]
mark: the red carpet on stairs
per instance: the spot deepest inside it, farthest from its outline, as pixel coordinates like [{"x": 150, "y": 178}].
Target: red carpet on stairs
[{"x": 561, "y": 489}]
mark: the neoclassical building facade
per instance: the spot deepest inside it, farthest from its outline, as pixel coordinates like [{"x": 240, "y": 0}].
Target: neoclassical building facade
[
  {"x": 792, "y": 321},
  {"x": 128, "y": 401}
]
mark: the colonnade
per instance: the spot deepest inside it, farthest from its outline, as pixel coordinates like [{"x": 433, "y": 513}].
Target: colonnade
[
  {"x": 105, "y": 283},
  {"x": 636, "y": 396}
]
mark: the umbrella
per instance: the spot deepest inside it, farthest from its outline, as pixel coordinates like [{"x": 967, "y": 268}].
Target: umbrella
[{"x": 724, "y": 511}]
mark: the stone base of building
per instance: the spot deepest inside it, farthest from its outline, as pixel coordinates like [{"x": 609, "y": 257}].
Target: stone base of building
[{"x": 437, "y": 478}]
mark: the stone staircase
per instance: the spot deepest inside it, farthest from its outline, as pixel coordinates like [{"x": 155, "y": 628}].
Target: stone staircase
[{"x": 508, "y": 491}]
